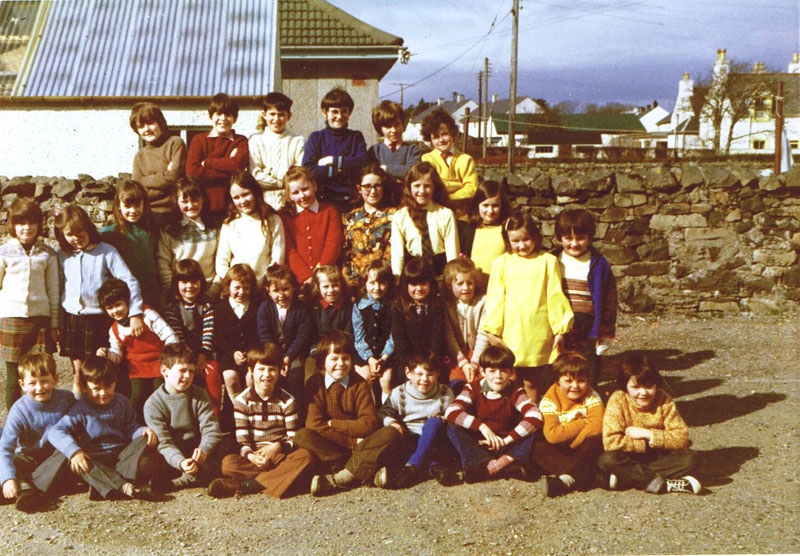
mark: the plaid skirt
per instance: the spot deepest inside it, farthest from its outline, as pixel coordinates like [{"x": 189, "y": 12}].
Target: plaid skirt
[
  {"x": 81, "y": 335},
  {"x": 19, "y": 335}
]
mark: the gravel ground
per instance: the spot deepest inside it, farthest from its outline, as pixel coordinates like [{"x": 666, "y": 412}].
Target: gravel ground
[{"x": 735, "y": 385}]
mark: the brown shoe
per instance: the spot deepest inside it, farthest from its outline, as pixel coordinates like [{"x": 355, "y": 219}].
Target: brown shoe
[{"x": 223, "y": 488}]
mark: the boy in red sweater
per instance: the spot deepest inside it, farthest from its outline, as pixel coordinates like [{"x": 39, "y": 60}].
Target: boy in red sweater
[
  {"x": 491, "y": 422},
  {"x": 214, "y": 157}
]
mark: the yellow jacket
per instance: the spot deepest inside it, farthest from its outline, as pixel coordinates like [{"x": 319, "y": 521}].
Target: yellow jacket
[
  {"x": 460, "y": 178},
  {"x": 526, "y": 307}
]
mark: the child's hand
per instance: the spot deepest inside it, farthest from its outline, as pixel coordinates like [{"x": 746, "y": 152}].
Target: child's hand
[
  {"x": 102, "y": 352},
  {"x": 285, "y": 369},
  {"x": 80, "y": 463},
  {"x": 137, "y": 326},
  {"x": 239, "y": 357},
  {"x": 374, "y": 366},
  {"x": 257, "y": 459},
  {"x": 199, "y": 456},
  {"x": 325, "y": 161},
  {"x": 189, "y": 466},
  {"x": 234, "y": 151},
  {"x": 639, "y": 433},
  {"x": 470, "y": 370},
  {"x": 11, "y": 489},
  {"x": 270, "y": 450},
  {"x": 152, "y": 439},
  {"x": 365, "y": 372},
  {"x": 493, "y": 441},
  {"x": 558, "y": 343},
  {"x": 386, "y": 382}
]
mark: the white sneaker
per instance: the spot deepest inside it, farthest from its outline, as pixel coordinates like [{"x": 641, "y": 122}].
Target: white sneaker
[
  {"x": 687, "y": 484},
  {"x": 612, "y": 482},
  {"x": 381, "y": 478}
]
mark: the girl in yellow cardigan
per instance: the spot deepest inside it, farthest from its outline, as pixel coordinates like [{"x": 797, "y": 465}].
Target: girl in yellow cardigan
[
  {"x": 525, "y": 305},
  {"x": 573, "y": 428}
]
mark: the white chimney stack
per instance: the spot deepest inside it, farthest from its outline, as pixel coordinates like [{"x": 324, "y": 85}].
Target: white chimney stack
[
  {"x": 495, "y": 98},
  {"x": 794, "y": 66},
  {"x": 440, "y": 101}
]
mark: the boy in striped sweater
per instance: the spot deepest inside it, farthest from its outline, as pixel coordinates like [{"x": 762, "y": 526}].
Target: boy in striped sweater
[
  {"x": 266, "y": 422},
  {"x": 491, "y": 422}
]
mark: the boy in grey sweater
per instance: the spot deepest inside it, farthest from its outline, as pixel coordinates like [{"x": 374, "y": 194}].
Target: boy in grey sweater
[{"x": 182, "y": 417}]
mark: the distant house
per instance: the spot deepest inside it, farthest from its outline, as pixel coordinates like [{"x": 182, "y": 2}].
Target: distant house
[
  {"x": 457, "y": 108},
  {"x": 754, "y": 132},
  {"x": 497, "y": 124},
  {"x": 584, "y": 135},
  {"x": 70, "y": 71}
]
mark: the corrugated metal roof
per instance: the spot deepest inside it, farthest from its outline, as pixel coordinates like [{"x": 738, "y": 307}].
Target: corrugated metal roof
[
  {"x": 107, "y": 48},
  {"x": 318, "y": 23}
]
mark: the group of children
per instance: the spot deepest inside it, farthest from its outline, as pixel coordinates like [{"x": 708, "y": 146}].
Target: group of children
[{"x": 281, "y": 324}]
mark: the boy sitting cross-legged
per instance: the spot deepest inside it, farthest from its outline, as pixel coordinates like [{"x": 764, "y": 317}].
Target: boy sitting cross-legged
[
  {"x": 415, "y": 409},
  {"x": 266, "y": 421},
  {"x": 491, "y": 422},
  {"x": 341, "y": 414},
  {"x": 573, "y": 427},
  {"x": 181, "y": 415},
  {"x": 24, "y": 445},
  {"x": 100, "y": 439}
]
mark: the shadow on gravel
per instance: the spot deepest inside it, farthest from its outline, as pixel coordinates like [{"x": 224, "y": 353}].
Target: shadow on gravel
[
  {"x": 661, "y": 359},
  {"x": 719, "y": 408},
  {"x": 717, "y": 466},
  {"x": 678, "y": 387}
]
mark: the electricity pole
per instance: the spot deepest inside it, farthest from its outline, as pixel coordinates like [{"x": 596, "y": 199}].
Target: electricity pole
[
  {"x": 401, "y": 85},
  {"x": 778, "y": 127},
  {"x": 513, "y": 86},
  {"x": 486, "y": 112},
  {"x": 480, "y": 102}
]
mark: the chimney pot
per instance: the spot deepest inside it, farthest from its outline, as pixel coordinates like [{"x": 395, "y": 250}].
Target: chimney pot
[
  {"x": 495, "y": 98},
  {"x": 796, "y": 57},
  {"x": 440, "y": 101},
  {"x": 686, "y": 76}
]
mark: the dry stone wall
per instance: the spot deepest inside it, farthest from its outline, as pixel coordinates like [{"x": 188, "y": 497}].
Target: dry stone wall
[
  {"x": 690, "y": 238},
  {"x": 707, "y": 238}
]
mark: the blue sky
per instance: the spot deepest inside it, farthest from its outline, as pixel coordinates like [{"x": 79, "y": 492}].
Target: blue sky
[{"x": 591, "y": 51}]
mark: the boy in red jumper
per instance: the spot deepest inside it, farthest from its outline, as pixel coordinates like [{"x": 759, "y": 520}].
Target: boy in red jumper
[
  {"x": 491, "y": 422},
  {"x": 214, "y": 157}
]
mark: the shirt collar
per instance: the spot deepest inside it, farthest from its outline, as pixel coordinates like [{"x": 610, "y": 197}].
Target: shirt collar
[
  {"x": 367, "y": 301},
  {"x": 339, "y": 303},
  {"x": 213, "y": 133},
  {"x": 185, "y": 221},
  {"x": 253, "y": 396},
  {"x": 392, "y": 146},
  {"x": 329, "y": 380},
  {"x": 313, "y": 208}
]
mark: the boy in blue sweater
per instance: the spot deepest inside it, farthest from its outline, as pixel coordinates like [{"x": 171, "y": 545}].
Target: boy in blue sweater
[
  {"x": 335, "y": 154},
  {"x": 23, "y": 445},
  {"x": 100, "y": 439},
  {"x": 394, "y": 156},
  {"x": 589, "y": 285}
]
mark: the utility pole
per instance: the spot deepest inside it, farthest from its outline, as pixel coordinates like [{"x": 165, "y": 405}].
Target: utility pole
[
  {"x": 513, "y": 86},
  {"x": 778, "y": 127},
  {"x": 401, "y": 85},
  {"x": 480, "y": 101},
  {"x": 466, "y": 130},
  {"x": 485, "y": 104}
]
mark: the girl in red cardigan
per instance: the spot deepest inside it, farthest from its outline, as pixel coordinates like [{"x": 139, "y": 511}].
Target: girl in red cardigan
[{"x": 313, "y": 229}]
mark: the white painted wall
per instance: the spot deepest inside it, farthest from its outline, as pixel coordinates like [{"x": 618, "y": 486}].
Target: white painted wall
[{"x": 72, "y": 140}]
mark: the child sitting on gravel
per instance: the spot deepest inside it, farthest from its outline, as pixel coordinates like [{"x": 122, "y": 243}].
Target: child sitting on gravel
[
  {"x": 182, "y": 416},
  {"x": 645, "y": 438},
  {"x": 266, "y": 422},
  {"x": 573, "y": 427},
  {"x": 24, "y": 444},
  {"x": 491, "y": 423},
  {"x": 341, "y": 414}
]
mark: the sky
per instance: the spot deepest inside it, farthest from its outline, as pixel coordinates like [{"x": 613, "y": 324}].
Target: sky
[{"x": 596, "y": 51}]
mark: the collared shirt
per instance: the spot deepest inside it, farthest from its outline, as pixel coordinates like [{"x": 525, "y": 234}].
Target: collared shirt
[
  {"x": 313, "y": 208},
  {"x": 239, "y": 309},
  {"x": 329, "y": 380},
  {"x": 259, "y": 421},
  {"x": 185, "y": 221},
  {"x": 392, "y": 146}
]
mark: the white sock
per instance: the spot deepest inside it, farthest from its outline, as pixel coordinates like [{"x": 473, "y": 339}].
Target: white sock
[
  {"x": 568, "y": 480},
  {"x": 344, "y": 478}
]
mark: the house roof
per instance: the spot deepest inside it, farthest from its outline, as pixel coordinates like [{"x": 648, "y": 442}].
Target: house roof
[
  {"x": 318, "y": 23},
  {"x": 791, "y": 88},
  {"x": 583, "y": 129},
  {"x": 158, "y": 48},
  {"x": 450, "y": 106},
  {"x": 503, "y": 105}
]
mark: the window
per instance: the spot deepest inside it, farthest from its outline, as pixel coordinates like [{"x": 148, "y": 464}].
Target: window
[
  {"x": 761, "y": 108},
  {"x": 545, "y": 149},
  {"x": 794, "y": 145},
  {"x": 759, "y": 144}
]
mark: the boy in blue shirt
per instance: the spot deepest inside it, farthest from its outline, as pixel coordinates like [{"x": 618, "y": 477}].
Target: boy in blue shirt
[
  {"x": 335, "y": 154},
  {"x": 23, "y": 445},
  {"x": 100, "y": 439}
]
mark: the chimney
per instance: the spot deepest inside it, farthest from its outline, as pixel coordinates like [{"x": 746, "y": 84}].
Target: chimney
[
  {"x": 721, "y": 55},
  {"x": 794, "y": 66},
  {"x": 440, "y": 101},
  {"x": 460, "y": 98},
  {"x": 495, "y": 98},
  {"x": 686, "y": 76},
  {"x": 655, "y": 104}
]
